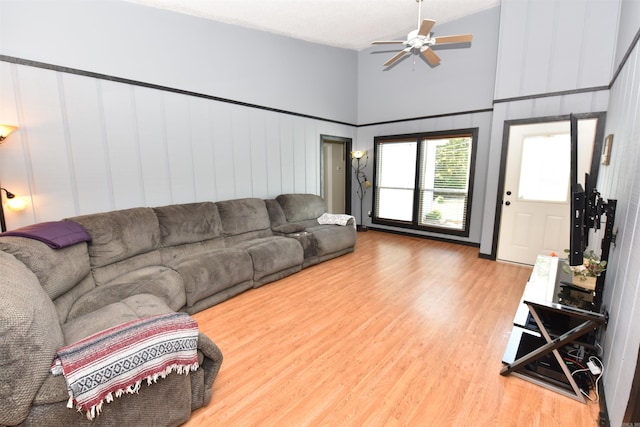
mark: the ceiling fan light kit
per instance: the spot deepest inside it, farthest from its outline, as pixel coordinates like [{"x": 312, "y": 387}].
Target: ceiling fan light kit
[{"x": 419, "y": 41}]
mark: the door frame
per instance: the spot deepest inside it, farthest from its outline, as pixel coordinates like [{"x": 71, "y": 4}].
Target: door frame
[
  {"x": 348, "y": 144},
  {"x": 593, "y": 174}
]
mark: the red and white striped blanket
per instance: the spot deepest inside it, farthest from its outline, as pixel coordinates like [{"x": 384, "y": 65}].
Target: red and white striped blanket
[{"x": 117, "y": 360}]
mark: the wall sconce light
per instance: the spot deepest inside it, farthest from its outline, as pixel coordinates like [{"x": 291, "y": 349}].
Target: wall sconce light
[
  {"x": 358, "y": 154},
  {"x": 363, "y": 182},
  {"x": 14, "y": 203},
  {"x": 5, "y": 131},
  {"x": 17, "y": 204}
]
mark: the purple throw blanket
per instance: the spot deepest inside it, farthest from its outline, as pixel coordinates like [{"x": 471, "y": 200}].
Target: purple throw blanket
[{"x": 56, "y": 234}]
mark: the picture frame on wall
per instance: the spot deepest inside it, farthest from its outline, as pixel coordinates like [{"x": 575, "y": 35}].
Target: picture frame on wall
[{"x": 606, "y": 150}]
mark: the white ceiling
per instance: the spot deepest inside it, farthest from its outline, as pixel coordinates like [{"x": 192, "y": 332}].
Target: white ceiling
[{"x": 350, "y": 24}]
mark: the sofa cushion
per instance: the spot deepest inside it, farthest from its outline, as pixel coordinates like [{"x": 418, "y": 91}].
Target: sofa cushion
[
  {"x": 243, "y": 216},
  {"x": 128, "y": 309},
  {"x": 65, "y": 301},
  {"x": 188, "y": 223},
  {"x": 333, "y": 238},
  {"x": 107, "y": 273},
  {"x": 273, "y": 254},
  {"x": 119, "y": 235},
  {"x": 58, "y": 270},
  {"x": 160, "y": 281},
  {"x": 276, "y": 215},
  {"x": 29, "y": 336},
  {"x": 290, "y": 228},
  {"x": 212, "y": 272},
  {"x": 300, "y": 207},
  {"x": 174, "y": 255}
]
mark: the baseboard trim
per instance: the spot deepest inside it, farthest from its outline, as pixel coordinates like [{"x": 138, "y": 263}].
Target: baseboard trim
[
  {"x": 603, "y": 419},
  {"x": 424, "y": 236}
]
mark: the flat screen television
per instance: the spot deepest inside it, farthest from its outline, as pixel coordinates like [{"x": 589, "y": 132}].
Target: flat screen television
[
  {"x": 587, "y": 210},
  {"x": 585, "y": 203},
  {"x": 577, "y": 235},
  {"x": 587, "y": 207},
  {"x": 577, "y": 243}
]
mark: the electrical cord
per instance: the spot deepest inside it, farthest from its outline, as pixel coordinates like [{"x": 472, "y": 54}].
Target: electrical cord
[{"x": 594, "y": 378}]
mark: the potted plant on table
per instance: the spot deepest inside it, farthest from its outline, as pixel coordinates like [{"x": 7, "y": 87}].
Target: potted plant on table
[{"x": 585, "y": 275}]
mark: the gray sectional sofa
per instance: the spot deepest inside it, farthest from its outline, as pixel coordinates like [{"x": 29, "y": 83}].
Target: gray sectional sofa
[{"x": 142, "y": 262}]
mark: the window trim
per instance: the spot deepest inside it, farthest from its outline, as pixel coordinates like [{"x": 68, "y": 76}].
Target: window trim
[{"x": 418, "y": 137}]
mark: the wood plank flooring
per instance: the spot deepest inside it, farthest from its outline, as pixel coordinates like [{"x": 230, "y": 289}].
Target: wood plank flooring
[{"x": 402, "y": 332}]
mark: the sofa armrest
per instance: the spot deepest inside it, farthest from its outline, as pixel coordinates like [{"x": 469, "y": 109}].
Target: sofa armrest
[
  {"x": 209, "y": 367},
  {"x": 29, "y": 336}
]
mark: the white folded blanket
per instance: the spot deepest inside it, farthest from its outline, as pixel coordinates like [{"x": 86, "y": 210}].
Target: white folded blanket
[{"x": 337, "y": 219}]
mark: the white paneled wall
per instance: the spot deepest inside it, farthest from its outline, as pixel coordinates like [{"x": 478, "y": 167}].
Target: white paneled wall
[
  {"x": 562, "y": 50},
  {"x": 551, "y": 46},
  {"x": 621, "y": 180},
  {"x": 89, "y": 145}
]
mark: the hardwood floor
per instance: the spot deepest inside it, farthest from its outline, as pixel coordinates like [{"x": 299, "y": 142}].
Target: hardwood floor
[{"x": 402, "y": 332}]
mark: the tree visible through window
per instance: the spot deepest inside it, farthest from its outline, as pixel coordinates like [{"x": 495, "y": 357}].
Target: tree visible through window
[{"x": 424, "y": 181}]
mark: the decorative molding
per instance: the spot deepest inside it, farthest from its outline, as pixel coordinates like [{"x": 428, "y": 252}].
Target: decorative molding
[
  {"x": 434, "y": 116},
  {"x": 61, "y": 69},
  {"x": 625, "y": 58},
  {"x": 100, "y": 76},
  {"x": 552, "y": 94}
]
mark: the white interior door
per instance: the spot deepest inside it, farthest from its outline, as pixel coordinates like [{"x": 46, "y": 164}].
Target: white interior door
[{"x": 536, "y": 201}]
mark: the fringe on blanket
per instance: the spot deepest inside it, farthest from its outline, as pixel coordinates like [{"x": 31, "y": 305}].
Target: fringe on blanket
[
  {"x": 118, "y": 360},
  {"x": 134, "y": 388}
]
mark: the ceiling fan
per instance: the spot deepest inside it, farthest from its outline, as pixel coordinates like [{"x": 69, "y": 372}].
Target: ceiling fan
[{"x": 420, "y": 41}]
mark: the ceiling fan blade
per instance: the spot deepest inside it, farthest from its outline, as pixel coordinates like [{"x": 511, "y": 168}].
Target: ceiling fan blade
[
  {"x": 388, "y": 42},
  {"x": 431, "y": 56},
  {"x": 396, "y": 57},
  {"x": 460, "y": 38},
  {"x": 426, "y": 26}
]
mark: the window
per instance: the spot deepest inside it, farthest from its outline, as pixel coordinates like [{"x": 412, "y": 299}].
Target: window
[
  {"x": 544, "y": 175},
  {"x": 424, "y": 181}
]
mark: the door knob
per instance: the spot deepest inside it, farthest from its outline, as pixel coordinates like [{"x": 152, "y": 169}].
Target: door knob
[
  {"x": 508, "y": 193},
  {"x": 507, "y": 203}
]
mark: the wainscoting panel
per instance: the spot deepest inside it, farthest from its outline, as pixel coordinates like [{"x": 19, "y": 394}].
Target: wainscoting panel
[
  {"x": 122, "y": 145},
  {"x": 273, "y": 154},
  {"x": 89, "y": 145},
  {"x": 152, "y": 142},
  {"x": 15, "y": 174},
  {"x": 178, "y": 136},
  {"x": 620, "y": 180},
  {"x": 199, "y": 137},
  {"x": 46, "y": 146}
]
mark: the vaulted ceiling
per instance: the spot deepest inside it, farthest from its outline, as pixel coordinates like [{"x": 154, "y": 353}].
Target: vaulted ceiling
[{"x": 349, "y": 24}]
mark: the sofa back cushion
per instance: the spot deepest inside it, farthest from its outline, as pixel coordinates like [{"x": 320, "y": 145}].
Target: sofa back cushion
[
  {"x": 58, "y": 270},
  {"x": 244, "y": 219},
  {"x": 301, "y": 207},
  {"x": 120, "y": 235},
  {"x": 276, "y": 214},
  {"x": 188, "y": 223},
  {"x": 30, "y": 335}
]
